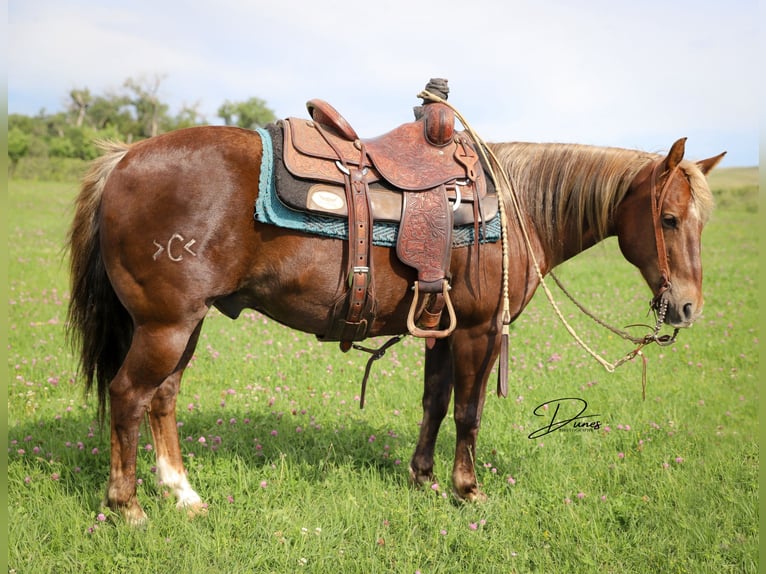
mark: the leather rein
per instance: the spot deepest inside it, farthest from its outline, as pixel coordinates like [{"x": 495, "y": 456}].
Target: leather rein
[{"x": 659, "y": 303}]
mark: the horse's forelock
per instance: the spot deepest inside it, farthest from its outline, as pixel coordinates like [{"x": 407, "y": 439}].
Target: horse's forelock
[{"x": 701, "y": 194}]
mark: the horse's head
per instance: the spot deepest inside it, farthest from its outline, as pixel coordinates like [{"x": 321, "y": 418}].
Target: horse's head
[{"x": 659, "y": 226}]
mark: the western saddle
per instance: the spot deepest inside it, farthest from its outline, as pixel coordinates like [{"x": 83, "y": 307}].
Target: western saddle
[{"x": 423, "y": 174}]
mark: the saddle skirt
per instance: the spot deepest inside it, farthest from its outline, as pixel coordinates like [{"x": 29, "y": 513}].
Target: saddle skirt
[{"x": 321, "y": 184}]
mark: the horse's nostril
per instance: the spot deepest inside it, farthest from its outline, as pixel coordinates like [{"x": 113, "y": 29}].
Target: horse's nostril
[{"x": 688, "y": 311}]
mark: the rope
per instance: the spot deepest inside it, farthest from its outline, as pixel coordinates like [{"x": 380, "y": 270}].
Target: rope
[{"x": 510, "y": 194}]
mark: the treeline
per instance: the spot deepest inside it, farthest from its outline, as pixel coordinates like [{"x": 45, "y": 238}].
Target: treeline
[{"x": 55, "y": 145}]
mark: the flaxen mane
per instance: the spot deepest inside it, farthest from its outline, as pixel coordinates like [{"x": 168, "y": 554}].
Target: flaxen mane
[{"x": 560, "y": 183}]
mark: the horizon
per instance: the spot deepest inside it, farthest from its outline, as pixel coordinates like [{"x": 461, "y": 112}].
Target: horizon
[{"x": 601, "y": 73}]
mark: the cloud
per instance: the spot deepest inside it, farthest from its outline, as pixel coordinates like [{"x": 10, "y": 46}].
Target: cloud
[{"x": 608, "y": 73}]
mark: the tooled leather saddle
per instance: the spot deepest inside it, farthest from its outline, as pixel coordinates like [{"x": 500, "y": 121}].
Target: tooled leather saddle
[{"x": 424, "y": 175}]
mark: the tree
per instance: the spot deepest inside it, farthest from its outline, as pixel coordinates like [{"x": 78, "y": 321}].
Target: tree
[
  {"x": 81, "y": 101},
  {"x": 149, "y": 110},
  {"x": 249, "y": 114},
  {"x": 188, "y": 116},
  {"x": 18, "y": 145}
]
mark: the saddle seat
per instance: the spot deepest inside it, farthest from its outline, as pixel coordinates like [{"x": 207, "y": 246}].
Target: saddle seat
[{"x": 420, "y": 174}]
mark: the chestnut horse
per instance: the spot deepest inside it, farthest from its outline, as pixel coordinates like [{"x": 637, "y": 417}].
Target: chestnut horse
[{"x": 164, "y": 230}]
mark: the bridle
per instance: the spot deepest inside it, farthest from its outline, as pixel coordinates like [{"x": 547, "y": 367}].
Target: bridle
[
  {"x": 658, "y": 198},
  {"x": 659, "y": 303}
]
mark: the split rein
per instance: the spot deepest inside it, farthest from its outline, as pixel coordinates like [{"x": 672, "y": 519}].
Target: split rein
[{"x": 659, "y": 304}]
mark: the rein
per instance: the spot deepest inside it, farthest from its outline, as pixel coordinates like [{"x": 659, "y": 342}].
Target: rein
[{"x": 659, "y": 303}]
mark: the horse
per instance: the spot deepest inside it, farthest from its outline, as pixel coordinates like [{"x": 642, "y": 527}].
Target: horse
[{"x": 163, "y": 230}]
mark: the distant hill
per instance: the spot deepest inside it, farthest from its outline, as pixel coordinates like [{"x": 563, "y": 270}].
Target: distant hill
[{"x": 733, "y": 177}]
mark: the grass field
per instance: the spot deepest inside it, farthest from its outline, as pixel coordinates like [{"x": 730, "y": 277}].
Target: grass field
[{"x": 299, "y": 479}]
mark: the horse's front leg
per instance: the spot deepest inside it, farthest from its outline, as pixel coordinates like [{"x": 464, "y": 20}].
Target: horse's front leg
[
  {"x": 436, "y": 397},
  {"x": 473, "y": 355}
]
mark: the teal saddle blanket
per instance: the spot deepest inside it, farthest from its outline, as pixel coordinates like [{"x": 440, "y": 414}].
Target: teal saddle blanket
[{"x": 270, "y": 209}]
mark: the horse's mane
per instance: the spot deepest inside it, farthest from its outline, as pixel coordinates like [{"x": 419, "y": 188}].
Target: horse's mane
[{"x": 560, "y": 183}]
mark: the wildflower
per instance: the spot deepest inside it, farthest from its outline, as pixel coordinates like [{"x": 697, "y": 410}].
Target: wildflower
[
  {"x": 443, "y": 532},
  {"x": 55, "y": 476},
  {"x": 264, "y": 484},
  {"x": 679, "y": 460},
  {"x": 201, "y": 440},
  {"x": 580, "y": 495},
  {"x": 473, "y": 526},
  {"x": 94, "y": 451},
  {"x": 101, "y": 517},
  {"x": 620, "y": 455},
  {"x": 511, "y": 480},
  {"x": 567, "y": 501}
]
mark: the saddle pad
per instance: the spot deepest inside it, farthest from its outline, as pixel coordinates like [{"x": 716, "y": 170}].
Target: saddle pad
[{"x": 270, "y": 210}]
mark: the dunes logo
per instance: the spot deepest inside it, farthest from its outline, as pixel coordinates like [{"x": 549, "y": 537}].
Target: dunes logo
[{"x": 567, "y": 414}]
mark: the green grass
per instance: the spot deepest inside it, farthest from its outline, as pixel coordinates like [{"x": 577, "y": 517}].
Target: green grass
[{"x": 298, "y": 478}]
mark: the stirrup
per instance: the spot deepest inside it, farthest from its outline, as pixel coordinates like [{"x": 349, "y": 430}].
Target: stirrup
[{"x": 429, "y": 333}]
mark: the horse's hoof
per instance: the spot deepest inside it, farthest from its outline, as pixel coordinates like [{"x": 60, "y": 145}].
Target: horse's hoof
[
  {"x": 472, "y": 495},
  {"x": 134, "y": 516},
  {"x": 420, "y": 478},
  {"x": 194, "y": 509}
]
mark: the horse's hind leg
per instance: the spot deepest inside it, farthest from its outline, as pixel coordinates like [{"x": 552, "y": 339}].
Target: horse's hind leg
[
  {"x": 436, "y": 397},
  {"x": 156, "y": 354},
  {"x": 162, "y": 419}
]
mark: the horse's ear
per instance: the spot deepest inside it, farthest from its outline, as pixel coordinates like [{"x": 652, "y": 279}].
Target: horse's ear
[
  {"x": 676, "y": 154},
  {"x": 706, "y": 165}
]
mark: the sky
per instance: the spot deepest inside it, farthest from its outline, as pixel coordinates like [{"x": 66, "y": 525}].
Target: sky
[{"x": 602, "y": 72}]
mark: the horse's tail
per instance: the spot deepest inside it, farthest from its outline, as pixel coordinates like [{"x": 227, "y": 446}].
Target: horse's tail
[{"x": 97, "y": 323}]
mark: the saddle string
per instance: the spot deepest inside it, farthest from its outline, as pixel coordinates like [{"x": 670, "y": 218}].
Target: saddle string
[{"x": 660, "y": 303}]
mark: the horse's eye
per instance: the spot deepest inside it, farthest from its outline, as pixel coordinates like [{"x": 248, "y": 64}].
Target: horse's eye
[{"x": 669, "y": 221}]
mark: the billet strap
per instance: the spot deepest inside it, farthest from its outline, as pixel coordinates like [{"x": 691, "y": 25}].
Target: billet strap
[{"x": 356, "y": 324}]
